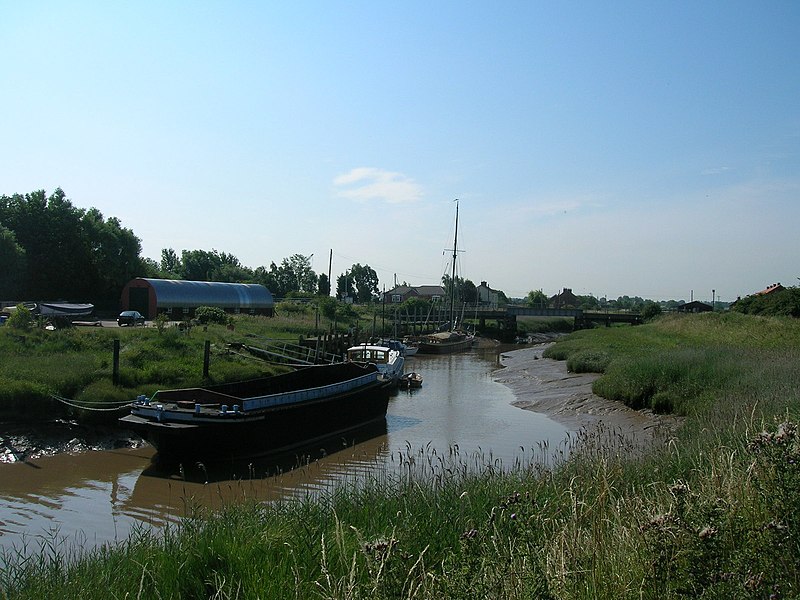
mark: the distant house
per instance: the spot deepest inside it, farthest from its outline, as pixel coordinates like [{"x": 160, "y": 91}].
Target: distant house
[
  {"x": 694, "y": 307},
  {"x": 486, "y": 295},
  {"x": 401, "y": 293},
  {"x": 566, "y": 299},
  {"x": 179, "y": 299},
  {"x": 775, "y": 287}
]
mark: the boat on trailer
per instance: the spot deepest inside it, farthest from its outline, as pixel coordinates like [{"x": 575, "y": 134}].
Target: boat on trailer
[{"x": 259, "y": 416}]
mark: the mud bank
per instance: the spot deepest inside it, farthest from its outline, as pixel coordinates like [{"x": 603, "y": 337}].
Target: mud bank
[{"x": 544, "y": 385}]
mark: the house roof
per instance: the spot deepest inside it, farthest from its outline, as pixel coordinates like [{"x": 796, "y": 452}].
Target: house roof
[
  {"x": 775, "y": 287},
  {"x": 430, "y": 290},
  {"x": 420, "y": 290}
]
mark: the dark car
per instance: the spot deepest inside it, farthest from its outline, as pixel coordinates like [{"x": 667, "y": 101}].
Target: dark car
[{"x": 130, "y": 317}]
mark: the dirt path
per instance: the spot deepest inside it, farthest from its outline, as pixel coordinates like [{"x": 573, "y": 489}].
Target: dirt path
[{"x": 545, "y": 386}]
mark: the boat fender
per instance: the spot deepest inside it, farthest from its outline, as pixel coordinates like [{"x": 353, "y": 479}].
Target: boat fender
[
  {"x": 236, "y": 408},
  {"x": 159, "y": 412},
  {"x": 197, "y": 409},
  {"x": 224, "y": 410}
]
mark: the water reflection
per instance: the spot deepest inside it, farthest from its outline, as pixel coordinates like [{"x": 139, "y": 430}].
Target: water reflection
[{"x": 88, "y": 499}]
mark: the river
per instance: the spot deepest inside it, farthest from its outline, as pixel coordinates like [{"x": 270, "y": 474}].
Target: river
[{"x": 85, "y": 499}]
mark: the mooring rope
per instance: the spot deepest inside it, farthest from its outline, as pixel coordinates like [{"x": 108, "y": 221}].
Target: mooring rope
[{"x": 119, "y": 404}]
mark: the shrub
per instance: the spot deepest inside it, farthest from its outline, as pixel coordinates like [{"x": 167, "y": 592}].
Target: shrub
[
  {"x": 651, "y": 310},
  {"x": 21, "y": 318},
  {"x": 211, "y": 314}
]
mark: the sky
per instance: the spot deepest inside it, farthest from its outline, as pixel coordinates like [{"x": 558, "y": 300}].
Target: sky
[{"x": 614, "y": 147}]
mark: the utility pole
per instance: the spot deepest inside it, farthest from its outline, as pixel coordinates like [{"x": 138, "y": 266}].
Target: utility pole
[{"x": 330, "y": 263}]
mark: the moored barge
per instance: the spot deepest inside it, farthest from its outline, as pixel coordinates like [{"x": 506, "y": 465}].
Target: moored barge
[{"x": 258, "y": 416}]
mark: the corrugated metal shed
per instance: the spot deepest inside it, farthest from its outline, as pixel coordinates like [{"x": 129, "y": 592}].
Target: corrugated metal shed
[
  {"x": 151, "y": 296},
  {"x": 178, "y": 294}
]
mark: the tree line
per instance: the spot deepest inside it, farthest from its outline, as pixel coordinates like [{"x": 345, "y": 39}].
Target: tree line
[{"x": 52, "y": 250}]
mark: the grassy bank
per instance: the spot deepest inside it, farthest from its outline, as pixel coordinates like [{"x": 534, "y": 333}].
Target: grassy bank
[
  {"x": 77, "y": 363},
  {"x": 710, "y": 512}
]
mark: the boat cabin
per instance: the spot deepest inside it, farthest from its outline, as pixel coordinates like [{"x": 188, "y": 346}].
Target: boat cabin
[{"x": 368, "y": 354}]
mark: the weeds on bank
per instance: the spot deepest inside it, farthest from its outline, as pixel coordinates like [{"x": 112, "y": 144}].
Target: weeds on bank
[{"x": 595, "y": 526}]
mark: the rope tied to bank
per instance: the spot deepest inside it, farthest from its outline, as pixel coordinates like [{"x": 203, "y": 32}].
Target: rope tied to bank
[{"x": 117, "y": 404}]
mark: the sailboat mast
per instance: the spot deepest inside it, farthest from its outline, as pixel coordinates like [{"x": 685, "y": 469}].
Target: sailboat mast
[{"x": 453, "y": 276}]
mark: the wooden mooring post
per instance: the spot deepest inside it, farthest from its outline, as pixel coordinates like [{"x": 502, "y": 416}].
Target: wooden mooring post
[
  {"x": 206, "y": 358},
  {"x": 115, "y": 363}
]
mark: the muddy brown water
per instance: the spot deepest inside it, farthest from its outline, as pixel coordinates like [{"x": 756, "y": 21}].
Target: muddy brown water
[{"x": 87, "y": 497}]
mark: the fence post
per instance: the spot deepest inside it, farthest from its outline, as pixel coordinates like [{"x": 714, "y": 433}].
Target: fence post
[
  {"x": 115, "y": 368},
  {"x": 206, "y": 356}
]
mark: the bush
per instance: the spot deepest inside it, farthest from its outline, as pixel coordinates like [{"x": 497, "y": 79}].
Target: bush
[
  {"x": 211, "y": 314},
  {"x": 651, "y": 310},
  {"x": 21, "y": 318}
]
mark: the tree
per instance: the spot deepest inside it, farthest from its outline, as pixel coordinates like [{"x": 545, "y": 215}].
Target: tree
[
  {"x": 170, "y": 261},
  {"x": 537, "y": 299},
  {"x": 344, "y": 286},
  {"x": 71, "y": 253},
  {"x": 12, "y": 264},
  {"x": 650, "y": 310},
  {"x": 199, "y": 265},
  {"x": 469, "y": 292},
  {"x": 465, "y": 290},
  {"x": 365, "y": 280},
  {"x": 323, "y": 285}
]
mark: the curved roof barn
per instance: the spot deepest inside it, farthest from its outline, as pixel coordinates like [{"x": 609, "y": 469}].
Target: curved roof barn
[{"x": 152, "y": 296}]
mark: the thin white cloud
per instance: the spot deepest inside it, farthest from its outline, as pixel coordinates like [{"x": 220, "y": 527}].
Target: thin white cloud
[
  {"x": 715, "y": 170},
  {"x": 365, "y": 184}
]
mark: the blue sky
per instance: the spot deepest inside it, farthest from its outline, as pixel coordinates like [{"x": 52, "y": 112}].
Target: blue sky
[{"x": 639, "y": 148}]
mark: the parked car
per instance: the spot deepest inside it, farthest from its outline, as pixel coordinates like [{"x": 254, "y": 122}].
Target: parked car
[{"x": 130, "y": 317}]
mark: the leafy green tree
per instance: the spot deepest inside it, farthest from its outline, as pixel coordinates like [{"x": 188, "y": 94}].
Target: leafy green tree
[
  {"x": 344, "y": 286},
  {"x": 537, "y": 299},
  {"x": 469, "y": 292},
  {"x": 12, "y": 264},
  {"x": 114, "y": 253},
  {"x": 293, "y": 275},
  {"x": 589, "y": 302},
  {"x": 650, "y": 310},
  {"x": 365, "y": 282},
  {"x": 70, "y": 253},
  {"x": 199, "y": 265},
  {"x": 323, "y": 285},
  {"x": 298, "y": 275},
  {"x": 170, "y": 262}
]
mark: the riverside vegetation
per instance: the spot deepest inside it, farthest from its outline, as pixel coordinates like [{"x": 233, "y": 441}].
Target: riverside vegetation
[{"x": 711, "y": 511}]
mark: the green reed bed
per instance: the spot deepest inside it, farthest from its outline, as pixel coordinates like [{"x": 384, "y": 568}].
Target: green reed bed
[{"x": 709, "y": 510}]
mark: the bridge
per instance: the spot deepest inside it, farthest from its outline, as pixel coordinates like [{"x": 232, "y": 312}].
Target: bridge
[{"x": 506, "y": 317}]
